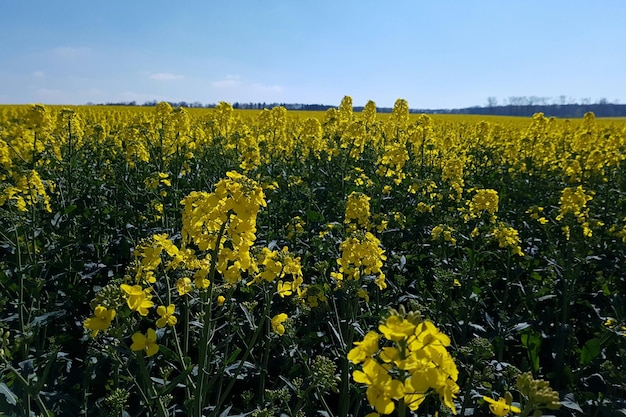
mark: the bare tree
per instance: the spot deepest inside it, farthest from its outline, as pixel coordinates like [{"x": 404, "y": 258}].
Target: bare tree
[{"x": 492, "y": 101}]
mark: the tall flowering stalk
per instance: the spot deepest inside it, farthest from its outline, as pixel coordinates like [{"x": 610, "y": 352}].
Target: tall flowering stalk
[{"x": 219, "y": 230}]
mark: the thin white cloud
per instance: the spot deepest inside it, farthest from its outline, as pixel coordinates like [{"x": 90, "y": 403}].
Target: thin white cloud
[
  {"x": 70, "y": 52},
  {"x": 166, "y": 76},
  {"x": 229, "y": 82},
  {"x": 268, "y": 88},
  {"x": 225, "y": 83},
  {"x": 92, "y": 92},
  {"x": 233, "y": 88}
]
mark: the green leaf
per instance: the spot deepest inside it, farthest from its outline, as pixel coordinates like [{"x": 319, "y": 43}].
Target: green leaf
[
  {"x": 174, "y": 383},
  {"x": 590, "y": 351},
  {"x": 8, "y": 394},
  {"x": 313, "y": 215},
  {"x": 570, "y": 402},
  {"x": 44, "y": 318},
  {"x": 233, "y": 356},
  {"x": 532, "y": 342}
]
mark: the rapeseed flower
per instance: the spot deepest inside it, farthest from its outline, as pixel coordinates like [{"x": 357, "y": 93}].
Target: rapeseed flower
[
  {"x": 357, "y": 211},
  {"x": 382, "y": 389},
  {"x": 361, "y": 255},
  {"x": 145, "y": 342},
  {"x": 277, "y": 323},
  {"x": 167, "y": 316},
  {"x": 137, "y": 298},
  {"x": 183, "y": 286},
  {"x": 397, "y": 328},
  {"x": 508, "y": 237},
  {"x": 100, "y": 321},
  {"x": 574, "y": 201},
  {"x": 500, "y": 408},
  {"x": 365, "y": 348},
  {"x": 284, "y": 288},
  {"x": 485, "y": 200},
  {"x": 414, "y": 365}
]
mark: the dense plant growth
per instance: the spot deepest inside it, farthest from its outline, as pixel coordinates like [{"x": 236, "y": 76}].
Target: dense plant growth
[{"x": 165, "y": 261}]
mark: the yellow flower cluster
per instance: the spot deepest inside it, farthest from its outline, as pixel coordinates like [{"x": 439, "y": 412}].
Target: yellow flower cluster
[
  {"x": 412, "y": 363},
  {"x": 453, "y": 171},
  {"x": 277, "y": 266},
  {"x": 277, "y": 323},
  {"x": 218, "y": 232},
  {"x": 295, "y": 228},
  {"x": 357, "y": 211},
  {"x": 28, "y": 191},
  {"x": 536, "y": 213},
  {"x": 361, "y": 256},
  {"x": 223, "y": 223},
  {"x": 484, "y": 201},
  {"x": 574, "y": 201},
  {"x": 445, "y": 231},
  {"x": 507, "y": 237},
  {"x": 137, "y": 298}
]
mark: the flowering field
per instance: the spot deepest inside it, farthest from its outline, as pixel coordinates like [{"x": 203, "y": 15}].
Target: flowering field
[{"x": 213, "y": 262}]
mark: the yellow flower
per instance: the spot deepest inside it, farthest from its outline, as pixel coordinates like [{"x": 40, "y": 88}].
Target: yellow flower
[
  {"x": 145, "y": 342},
  {"x": 277, "y": 323},
  {"x": 101, "y": 320},
  {"x": 183, "y": 285},
  {"x": 221, "y": 300},
  {"x": 358, "y": 210},
  {"x": 484, "y": 200},
  {"x": 417, "y": 364},
  {"x": 382, "y": 388},
  {"x": 363, "y": 294},
  {"x": 137, "y": 298},
  {"x": 167, "y": 316},
  {"x": 364, "y": 349},
  {"x": 397, "y": 328},
  {"x": 284, "y": 288},
  {"x": 508, "y": 237},
  {"x": 574, "y": 200},
  {"x": 500, "y": 408}
]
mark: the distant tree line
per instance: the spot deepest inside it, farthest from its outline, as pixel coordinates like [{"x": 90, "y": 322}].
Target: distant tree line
[{"x": 562, "y": 107}]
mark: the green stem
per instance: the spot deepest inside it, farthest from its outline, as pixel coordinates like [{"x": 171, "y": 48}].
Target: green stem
[
  {"x": 207, "y": 329},
  {"x": 243, "y": 359},
  {"x": 401, "y": 408},
  {"x": 181, "y": 356},
  {"x": 20, "y": 303},
  {"x": 155, "y": 398},
  {"x": 266, "y": 347},
  {"x": 347, "y": 333},
  {"x": 468, "y": 387}
]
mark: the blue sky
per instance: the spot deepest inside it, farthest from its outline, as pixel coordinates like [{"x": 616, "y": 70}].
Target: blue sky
[{"x": 444, "y": 54}]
